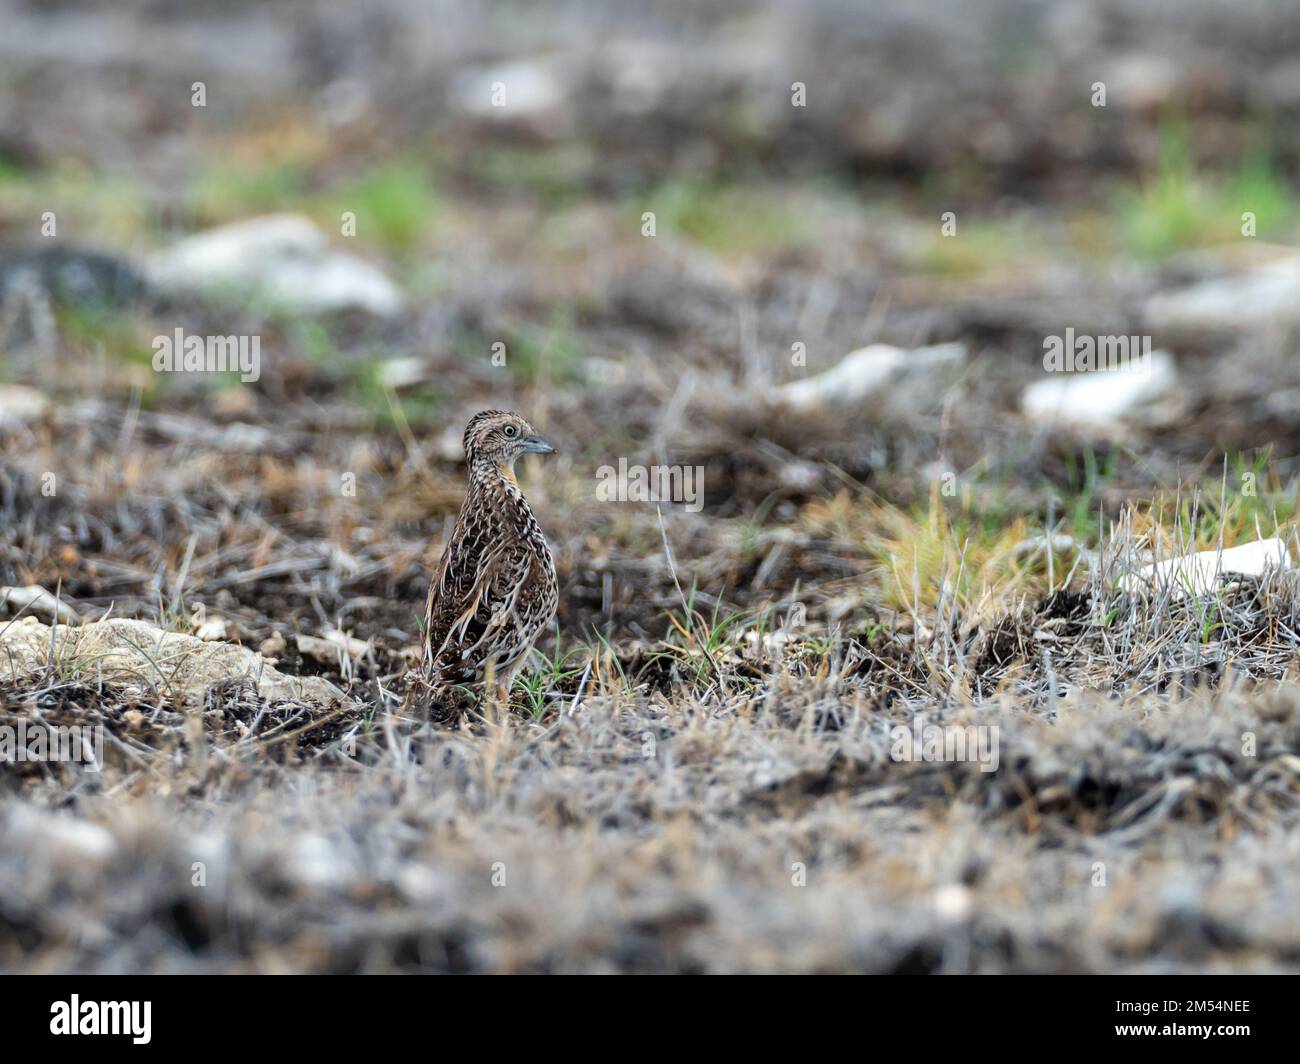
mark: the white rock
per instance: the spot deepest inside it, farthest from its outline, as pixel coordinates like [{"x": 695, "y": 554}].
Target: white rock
[
  {"x": 1141, "y": 82},
  {"x": 283, "y": 258},
  {"x": 863, "y": 373},
  {"x": 525, "y": 89},
  {"x": 768, "y": 644},
  {"x": 35, "y": 601},
  {"x": 313, "y": 861},
  {"x": 1199, "y": 573},
  {"x": 1100, "y": 399},
  {"x": 1268, "y": 295},
  {"x": 399, "y": 373},
  {"x": 63, "y": 838},
  {"x": 212, "y": 629},
  {"x": 419, "y": 883},
  {"x": 953, "y": 902},
  {"x": 20, "y": 405},
  {"x": 328, "y": 650},
  {"x": 798, "y": 475}
]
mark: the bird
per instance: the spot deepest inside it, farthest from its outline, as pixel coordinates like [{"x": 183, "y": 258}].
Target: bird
[{"x": 495, "y": 589}]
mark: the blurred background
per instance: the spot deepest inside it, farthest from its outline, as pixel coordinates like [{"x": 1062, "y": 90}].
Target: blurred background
[{"x": 657, "y": 230}]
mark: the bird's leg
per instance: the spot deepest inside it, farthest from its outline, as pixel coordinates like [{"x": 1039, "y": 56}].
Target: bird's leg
[
  {"x": 497, "y": 682},
  {"x": 505, "y": 681}
]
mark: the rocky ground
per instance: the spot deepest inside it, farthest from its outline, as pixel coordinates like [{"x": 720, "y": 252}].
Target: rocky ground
[{"x": 839, "y": 314}]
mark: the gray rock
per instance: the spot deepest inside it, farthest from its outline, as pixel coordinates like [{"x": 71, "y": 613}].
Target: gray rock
[{"x": 138, "y": 656}]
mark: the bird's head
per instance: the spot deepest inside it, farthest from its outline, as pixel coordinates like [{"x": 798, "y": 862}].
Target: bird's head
[{"x": 497, "y": 437}]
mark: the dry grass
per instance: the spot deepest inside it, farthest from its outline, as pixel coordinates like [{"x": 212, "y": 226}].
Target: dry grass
[
  {"x": 665, "y": 833},
  {"x": 655, "y": 809}
]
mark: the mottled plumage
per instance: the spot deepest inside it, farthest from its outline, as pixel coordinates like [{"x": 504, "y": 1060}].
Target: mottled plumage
[{"x": 494, "y": 590}]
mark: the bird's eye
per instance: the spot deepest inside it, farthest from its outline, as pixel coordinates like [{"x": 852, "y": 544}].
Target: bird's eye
[{"x": 510, "y": 432}]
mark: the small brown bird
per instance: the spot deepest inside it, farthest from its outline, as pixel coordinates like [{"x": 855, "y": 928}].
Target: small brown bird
[{"x": 495, "y": 588}]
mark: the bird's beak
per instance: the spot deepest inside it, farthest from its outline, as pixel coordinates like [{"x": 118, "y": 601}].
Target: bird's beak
[{"x": 537, "y": 445}]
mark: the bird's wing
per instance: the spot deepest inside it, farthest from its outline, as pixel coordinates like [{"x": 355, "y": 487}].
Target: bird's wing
[
  {"x": 473, "y": 606},
  {"x": 456, "y": 572}
]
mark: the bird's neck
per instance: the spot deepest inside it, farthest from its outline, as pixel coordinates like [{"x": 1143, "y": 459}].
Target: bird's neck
[
  {"x": 496, "y": 478},
  {"x": 493, "y": 488}
]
